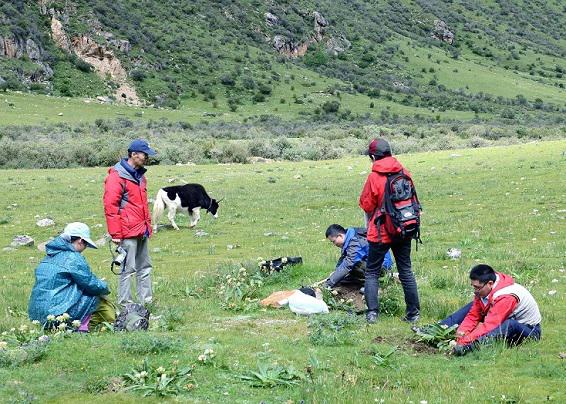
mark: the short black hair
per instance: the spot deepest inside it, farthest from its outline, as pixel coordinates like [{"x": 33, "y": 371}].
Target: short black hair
[
  {"x": 74, "y": 238},
  {"x": 483, "y": 273},
  {"x": 335, "y": 230}
]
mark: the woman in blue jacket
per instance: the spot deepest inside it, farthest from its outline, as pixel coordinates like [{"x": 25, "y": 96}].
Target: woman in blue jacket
[{"x": 64, "y": 282}]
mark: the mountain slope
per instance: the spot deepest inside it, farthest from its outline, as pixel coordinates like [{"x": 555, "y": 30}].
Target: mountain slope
[{"x": 500, "y": 59}]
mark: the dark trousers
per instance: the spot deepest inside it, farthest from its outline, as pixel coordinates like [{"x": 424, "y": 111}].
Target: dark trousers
[
  {"x": 510, "y": 330},
  {"x": 402, "y": 253}
]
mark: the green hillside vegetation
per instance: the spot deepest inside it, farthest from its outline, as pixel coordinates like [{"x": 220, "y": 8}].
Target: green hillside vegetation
[
  {"x": 507, "y": 59},
  {"x": 503, "y": 206}
]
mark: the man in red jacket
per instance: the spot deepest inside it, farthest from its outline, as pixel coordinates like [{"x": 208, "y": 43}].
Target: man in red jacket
[
  {"x": 501, "y": 309},
  {"x": 371, "y": 199},
  {"x": 128, "y": 219}
]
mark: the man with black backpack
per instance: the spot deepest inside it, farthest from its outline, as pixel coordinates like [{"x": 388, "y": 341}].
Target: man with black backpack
[{"x": 391, "y": 204}]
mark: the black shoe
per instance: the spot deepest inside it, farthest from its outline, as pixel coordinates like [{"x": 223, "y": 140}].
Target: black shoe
[
  {"x": 411, "y": 319},
  {"x": 371, "y": 317}
]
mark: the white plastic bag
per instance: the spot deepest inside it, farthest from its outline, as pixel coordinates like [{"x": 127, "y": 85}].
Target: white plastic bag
[{"x": 301, "y": 303}]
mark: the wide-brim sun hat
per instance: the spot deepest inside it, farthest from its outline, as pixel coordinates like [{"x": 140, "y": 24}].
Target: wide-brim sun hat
[{"x": 78, "y": 229}]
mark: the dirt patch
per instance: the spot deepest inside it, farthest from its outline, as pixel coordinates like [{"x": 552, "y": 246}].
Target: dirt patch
[
  {"x": 351, "y": 292},
  {"x": 420, "y": 347},
  {"x": 407, "y": 345}
]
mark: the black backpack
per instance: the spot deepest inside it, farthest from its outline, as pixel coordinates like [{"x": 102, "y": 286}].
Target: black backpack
[
  {"x": 133, "y": 317},
  {"x": 400, "y": 211}
]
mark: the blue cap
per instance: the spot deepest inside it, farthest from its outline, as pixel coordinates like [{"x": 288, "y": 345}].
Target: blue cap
[
  {"x": 141, "y": 145},
  {"x": 78, "y": 229}
]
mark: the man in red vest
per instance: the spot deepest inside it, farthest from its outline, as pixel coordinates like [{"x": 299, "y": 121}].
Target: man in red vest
[
  {"x": 501, "y": 309},
  {"x": 128, "y": 219}
]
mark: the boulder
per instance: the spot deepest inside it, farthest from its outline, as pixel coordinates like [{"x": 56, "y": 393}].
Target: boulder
[
  {"x": 442, "y": 32},
  {"x": 45, "y": 222},
  {"x": 271, "y": 19},
  {"x": 319, "y": 19},
  {"x": 22, "y": 240},
  {"x": 32, "y": 49},
  {"x": 337, "y": 45}
]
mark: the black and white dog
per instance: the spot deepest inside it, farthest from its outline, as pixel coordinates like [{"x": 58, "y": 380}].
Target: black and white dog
[{"x": 190, "y": 198}]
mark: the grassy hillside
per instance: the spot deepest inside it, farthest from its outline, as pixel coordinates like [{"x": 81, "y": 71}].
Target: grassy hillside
[
  {"x": 503, "y": 206},
  {"x": 507, "y": 60}
]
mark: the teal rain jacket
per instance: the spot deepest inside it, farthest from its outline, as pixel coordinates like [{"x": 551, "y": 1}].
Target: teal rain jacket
[{"x": 64, "y": 283}]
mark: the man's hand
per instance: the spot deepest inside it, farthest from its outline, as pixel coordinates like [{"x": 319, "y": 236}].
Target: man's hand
[
  {"x": 461, "y": 350},
  {"x": 116, "y": 240},
  {"x": 460, "y": 333}
]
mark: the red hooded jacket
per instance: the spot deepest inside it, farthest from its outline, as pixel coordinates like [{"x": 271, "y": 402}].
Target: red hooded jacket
[
  {"x": 125, "y": 204},
  {"x": 371, "y": 197},
  {"x": 483, "y": 318}
]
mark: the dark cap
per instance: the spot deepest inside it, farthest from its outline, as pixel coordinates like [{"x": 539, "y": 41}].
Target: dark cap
[
  {"x": 379, "y": 148},
  {"x": 141, "y": 145}
]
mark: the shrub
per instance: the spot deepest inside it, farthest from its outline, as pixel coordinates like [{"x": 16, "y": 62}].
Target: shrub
[
  {"x": 264, "y": 148},
  {"x": 331, "y": 107},
  {"x": 231, "y": 152}
]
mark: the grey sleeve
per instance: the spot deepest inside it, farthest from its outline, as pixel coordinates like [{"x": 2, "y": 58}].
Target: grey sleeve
[{"x": 345, "y": 264}]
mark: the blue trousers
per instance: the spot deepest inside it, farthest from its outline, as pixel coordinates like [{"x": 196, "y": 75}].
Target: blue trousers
[{"x": 510, "y": 330}]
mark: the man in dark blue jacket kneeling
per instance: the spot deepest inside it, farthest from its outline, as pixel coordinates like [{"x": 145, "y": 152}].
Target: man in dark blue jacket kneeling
[{"x": 352, "y": 263}]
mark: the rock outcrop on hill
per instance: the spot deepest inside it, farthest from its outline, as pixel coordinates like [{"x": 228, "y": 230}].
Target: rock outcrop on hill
[
  {"x": 292, "y": 49},
  {"x": 442, "y": 32},
  {"x": 103, "y": 60},
  {"x": 17, "y": 48}
]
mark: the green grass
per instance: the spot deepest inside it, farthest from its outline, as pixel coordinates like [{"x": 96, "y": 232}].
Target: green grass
[{"x": 503, "y": 206}]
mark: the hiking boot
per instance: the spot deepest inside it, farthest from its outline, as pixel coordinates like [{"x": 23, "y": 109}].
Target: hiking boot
[
  {"x": 410, "y": 319},
  {"x": 371, "y": 317}
]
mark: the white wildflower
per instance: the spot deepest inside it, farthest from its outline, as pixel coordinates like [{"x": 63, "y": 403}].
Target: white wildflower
[
  {"x": 201, "y": 358},
  {"x": 66, "y": 316},
  {"x": 35, "y": 322},
  {"x": 242, "y": 269},
  {"x": 43, "y": 338},
  {"x": 160, "y": 370},
  {"x": 208, "y": 351},
  {"x": 143, "y": 374},
  {"x": 552, "y": 292},
  {"x": 51, "y": 317},
  {"x": 3, "y": 345},
  {"x": 12, "y": 329},
  {"x": 62, "y": 326},
  {"x": 76, "y": 323},
  {"x": 60, "y": 319},
  {"x": 23, "y": 327}
]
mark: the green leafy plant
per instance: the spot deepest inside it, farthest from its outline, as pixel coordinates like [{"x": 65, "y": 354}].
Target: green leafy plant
[
  {"x": 19, "y": 355},
  {"x": 238, "y": 289},
  {"x": 331, "y": 329},
  {"x": 437, "y": 335},
  {"x": 384, "y": 358},
  {"x": 272, "y": 375},
  {"x": 207, "y": 357},
  {"x": 158, "y": 381}
]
